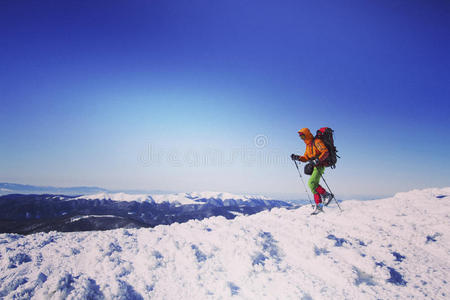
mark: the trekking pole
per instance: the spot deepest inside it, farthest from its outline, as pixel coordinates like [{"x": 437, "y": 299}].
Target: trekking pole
[
  {"x": 301, "y": 177},
  {"x": 331, "y": 192}
]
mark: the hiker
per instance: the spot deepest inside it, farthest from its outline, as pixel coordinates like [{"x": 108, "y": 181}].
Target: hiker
[{"x": 316, "y": 153}]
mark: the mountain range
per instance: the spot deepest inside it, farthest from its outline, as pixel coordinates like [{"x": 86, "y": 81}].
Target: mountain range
[
  {"x": 32, "y": 213},
  {"x": 16, "y": 188}
]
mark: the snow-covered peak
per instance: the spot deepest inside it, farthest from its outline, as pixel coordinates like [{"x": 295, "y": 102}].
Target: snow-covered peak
[
  {"x": 117, "y": 197},
  {"x": 179, "y": 198}
]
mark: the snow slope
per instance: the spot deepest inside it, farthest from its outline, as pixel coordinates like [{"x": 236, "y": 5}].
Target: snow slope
[{"x": 391, "y": 248}]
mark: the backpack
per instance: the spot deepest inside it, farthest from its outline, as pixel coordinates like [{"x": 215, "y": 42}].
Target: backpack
[{"x": 325, "y": 134}]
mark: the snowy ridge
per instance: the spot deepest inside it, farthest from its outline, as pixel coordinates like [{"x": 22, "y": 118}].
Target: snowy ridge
[
  {"x": 117, "y": 197},
  {"x": 391, "y": 248},
  {"x": 179, "y": 198}
]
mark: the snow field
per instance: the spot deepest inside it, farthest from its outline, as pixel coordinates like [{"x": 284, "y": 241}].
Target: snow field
[{"x": 391, "y": 248}]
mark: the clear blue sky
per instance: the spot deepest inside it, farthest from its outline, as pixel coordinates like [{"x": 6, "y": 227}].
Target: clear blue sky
[{"x": 171, "y": 94}]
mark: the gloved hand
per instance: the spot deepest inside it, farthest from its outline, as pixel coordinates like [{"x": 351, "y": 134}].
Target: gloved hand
[
  {"x": 315, "y": 162},
  {"x": 295, "y": 157}
]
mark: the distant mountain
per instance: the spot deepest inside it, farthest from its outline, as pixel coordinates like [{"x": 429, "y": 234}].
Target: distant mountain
[
  {"x": 31, "y": 213},
  {"x": 214, "y": 198},
  {"x": 15, "y": 188}
]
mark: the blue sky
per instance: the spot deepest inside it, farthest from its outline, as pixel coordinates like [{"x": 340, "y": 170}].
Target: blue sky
[{"x": 170, "y": 95}]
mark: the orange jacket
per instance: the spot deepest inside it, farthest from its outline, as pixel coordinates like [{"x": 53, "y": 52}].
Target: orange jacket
[{"x": 313, "y": 150}]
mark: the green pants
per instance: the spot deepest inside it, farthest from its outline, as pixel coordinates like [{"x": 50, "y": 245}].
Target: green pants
[{"x": 314, "y": 180}]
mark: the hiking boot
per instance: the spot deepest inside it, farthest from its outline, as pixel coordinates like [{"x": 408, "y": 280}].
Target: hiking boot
[
  {"x": 326, "y": 198},
  {"x": 319, "y": 208}
]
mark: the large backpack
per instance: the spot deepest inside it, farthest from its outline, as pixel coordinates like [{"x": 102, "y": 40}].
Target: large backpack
[{"x": 325, "y": 134}]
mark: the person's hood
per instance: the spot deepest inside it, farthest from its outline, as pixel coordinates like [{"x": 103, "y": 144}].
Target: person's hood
[{"x": 308, "y": 136}]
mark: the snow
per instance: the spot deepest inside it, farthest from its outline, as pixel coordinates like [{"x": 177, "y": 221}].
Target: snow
[
  {"x": 75, "y": 219},
  {"x": 179, "y": 198},
  {"x": 4, "y": 191},
  {"x": 391, "y": 248},
  {"x": 224, "y": 196},
  {"x": 118, "y": 197}
]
